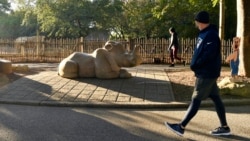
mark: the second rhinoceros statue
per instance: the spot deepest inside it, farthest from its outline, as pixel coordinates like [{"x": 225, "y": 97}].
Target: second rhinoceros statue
[{"x": 104, "y": 63}]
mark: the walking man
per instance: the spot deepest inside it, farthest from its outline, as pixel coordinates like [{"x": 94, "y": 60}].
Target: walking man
[{"x": 206, "y": 64}]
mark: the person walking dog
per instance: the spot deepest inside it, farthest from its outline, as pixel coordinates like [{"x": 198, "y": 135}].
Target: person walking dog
[{"x": 206, "y": 64}]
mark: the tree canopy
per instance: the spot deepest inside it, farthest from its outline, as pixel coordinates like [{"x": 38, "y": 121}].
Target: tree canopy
[
  {"x": 120, "y": 18},
  {"x": 4, "y": 6}
]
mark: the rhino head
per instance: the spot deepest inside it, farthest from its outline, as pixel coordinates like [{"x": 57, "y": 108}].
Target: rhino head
[{"x": 123, "y": 57}]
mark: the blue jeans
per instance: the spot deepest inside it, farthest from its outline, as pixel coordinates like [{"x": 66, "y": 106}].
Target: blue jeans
[
  {"x": 234, "y": 67},
  {"x": 205, "y": 88}
]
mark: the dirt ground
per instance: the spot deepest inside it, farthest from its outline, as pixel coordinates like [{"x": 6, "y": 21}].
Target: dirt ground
[{"x": 183, "y": 84}]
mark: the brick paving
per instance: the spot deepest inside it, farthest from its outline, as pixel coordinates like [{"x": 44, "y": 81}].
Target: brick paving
[{"x": 148, "y": 86}]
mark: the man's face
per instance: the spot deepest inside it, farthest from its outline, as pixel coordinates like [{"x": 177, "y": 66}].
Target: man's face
[
  {"x": 200, "y": 26},
  {"x": 197, "y": 24}
]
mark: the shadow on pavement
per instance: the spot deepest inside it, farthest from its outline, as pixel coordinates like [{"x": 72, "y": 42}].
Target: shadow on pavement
[{"x": 48, "y": 86}]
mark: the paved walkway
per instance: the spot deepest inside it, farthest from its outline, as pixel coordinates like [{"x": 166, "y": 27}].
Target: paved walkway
[{"x": 149, "y": 87}]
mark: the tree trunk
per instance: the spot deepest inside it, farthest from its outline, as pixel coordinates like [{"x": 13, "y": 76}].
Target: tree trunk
[
  {"x": 243, "y": 31},
  {"x": 222, "y": 19}
]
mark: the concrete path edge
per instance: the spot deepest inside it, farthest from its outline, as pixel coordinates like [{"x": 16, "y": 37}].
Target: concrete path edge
[{"x": 207, "y": 103}]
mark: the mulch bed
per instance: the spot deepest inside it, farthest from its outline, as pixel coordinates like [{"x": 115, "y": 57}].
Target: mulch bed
[{"x": 183, "y": 83}]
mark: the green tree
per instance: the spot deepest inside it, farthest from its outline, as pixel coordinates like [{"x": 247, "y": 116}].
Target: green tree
[
  {"x": 109, "y": 17},
  {"x": 58, "y": 18},
  {"x": 5, "y": 30},
  {"x": 4, "y": 6},
  {"x": 139, "y": 18},
  {"x": 22, "y": 21},
  {"x": 74, "y": 18},
  {"x": 230, "y": 19},
  {"x": 243, "y": 31},
  {"x": 180, "y": 14},
  {"x": 12, "y": 25},
  {"x": 124, "y": 19}
]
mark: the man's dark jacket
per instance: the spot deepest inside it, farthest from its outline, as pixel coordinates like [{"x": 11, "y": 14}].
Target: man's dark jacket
[{"x": 206, "y": 60}]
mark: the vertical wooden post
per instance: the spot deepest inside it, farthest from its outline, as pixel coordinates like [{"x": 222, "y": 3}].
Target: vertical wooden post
[{"x": 81, "y": 44}]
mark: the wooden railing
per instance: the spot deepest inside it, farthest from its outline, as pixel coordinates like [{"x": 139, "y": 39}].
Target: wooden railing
[{"x": 54, "y": 50}]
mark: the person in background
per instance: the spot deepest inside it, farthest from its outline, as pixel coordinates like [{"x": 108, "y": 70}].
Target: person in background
[
  {"x": 233, "y": 58},
  {"x": 173, "y": 46},
  {"x": 206, "y": 65}
]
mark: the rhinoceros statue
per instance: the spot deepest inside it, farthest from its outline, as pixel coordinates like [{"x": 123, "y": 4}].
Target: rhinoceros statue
[{"x": 104, "y": 63}]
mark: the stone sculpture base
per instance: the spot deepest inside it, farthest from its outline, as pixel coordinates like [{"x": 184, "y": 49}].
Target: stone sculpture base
[{"x": 5, "y": 66}]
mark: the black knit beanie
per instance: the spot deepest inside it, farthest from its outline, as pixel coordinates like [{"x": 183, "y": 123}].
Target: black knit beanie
[{"x": 202, "y": 17}]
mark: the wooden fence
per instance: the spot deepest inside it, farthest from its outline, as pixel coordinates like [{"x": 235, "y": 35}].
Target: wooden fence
[{"x": 54, "y": 50}]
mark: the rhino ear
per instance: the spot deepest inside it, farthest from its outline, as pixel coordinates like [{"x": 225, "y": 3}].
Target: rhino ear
[
  {"x": 136, "y": 50},
  {"x": 108, "y": 46}
]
